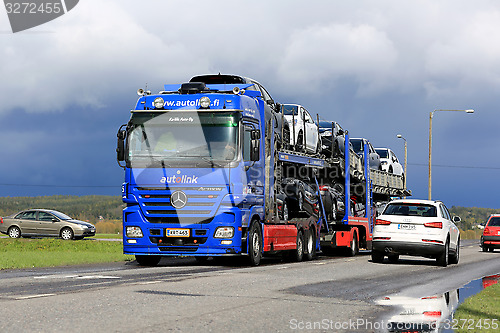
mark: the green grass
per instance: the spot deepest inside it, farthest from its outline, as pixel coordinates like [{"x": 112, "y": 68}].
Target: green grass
[
  {"x": 48, "y": 252},
  {"x": 107, "y": 236},
  {"x": 478, "y": 310}
]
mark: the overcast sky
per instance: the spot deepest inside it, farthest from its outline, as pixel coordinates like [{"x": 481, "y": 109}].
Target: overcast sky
[{"x": 376, "y": 67}]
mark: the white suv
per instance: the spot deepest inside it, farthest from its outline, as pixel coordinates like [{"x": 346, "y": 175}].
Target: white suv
[
  {"x": 418, "y": 228},
  {"x": 300, "y": 122}
]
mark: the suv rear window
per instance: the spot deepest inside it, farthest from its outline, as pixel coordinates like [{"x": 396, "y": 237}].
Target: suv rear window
[
  {"x": 494, "y": 222},
  {"x": 411, "y": 210}
]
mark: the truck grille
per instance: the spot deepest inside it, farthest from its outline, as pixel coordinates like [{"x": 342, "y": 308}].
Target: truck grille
[{"x": 200, "y": 204}]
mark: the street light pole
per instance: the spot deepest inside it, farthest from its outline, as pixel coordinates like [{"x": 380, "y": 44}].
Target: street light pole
[
  {"x": 431, "y": 115},
  {"x": 406, "y": 158}
]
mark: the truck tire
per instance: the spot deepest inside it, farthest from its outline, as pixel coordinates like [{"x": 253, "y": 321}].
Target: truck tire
[
  {"x": 255, "y": 244},
  {"x": 298, "y": 253},
  {"x": 377, "y": 257},
  {"x": 310, "y": 244},
  {"x": 147, "y": 260},
  {"x": 443, "y": 258}
]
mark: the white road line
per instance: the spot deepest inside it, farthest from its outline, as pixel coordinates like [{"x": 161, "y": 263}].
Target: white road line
[
  {"x": 34, "y": 296},
  {"x": 81, "y": 277}
]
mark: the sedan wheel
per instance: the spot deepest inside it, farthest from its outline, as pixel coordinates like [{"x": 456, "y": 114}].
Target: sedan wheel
[
  {"x": 67, "y": 234},
  {"x": 14, "y": 232}
]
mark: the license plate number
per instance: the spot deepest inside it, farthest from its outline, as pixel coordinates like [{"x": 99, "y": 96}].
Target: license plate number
[
  {"x": 177, "y": 232},
  {"x": 407, "y": 227}
]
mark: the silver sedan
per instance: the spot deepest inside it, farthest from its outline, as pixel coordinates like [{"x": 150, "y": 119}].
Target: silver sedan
[{"x": 44, "y": 222}]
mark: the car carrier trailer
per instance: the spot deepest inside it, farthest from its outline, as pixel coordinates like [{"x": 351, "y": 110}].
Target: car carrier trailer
[{"x": 207, "y": 173}]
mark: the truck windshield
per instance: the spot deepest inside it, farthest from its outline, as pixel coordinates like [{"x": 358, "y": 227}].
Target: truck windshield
[{"x": 183, "y": 139}]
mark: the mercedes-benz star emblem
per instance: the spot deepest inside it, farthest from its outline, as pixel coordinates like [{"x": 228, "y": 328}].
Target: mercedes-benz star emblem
[{"x": 178, "y": 199}]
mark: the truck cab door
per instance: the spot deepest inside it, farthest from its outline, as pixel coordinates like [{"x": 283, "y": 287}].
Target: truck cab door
[{"x": 253, "y": 168}]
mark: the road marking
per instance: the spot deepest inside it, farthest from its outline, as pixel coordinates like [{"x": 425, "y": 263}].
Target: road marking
[
  {"x": 34, "y": 296},
  {"x": 149, "y": 282},
  {"x": 320, "y": 263},
  {"x": 80, "y": 277}
]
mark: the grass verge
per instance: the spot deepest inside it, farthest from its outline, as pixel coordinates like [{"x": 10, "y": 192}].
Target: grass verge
[
  {"x": 28, "y": 253},
  {"x": 107, "y": 236},
  {"x": 481, "y": 312}
]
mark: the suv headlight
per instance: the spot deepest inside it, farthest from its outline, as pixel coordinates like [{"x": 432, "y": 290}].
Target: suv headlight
[
  {"x": 224, "y": 232},
  {"x": 134, "y": 232}
]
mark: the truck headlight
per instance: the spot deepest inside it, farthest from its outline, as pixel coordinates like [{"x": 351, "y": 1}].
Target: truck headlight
[
  {"x": 224, "y": 232},
  {"x": 159, "y": 103},
  {"x": 134, "y": 232}
]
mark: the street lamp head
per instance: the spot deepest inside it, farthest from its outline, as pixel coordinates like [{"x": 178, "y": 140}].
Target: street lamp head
[
  {"x": 399, "y": 136},
  {"x": 469, "y": 111}
]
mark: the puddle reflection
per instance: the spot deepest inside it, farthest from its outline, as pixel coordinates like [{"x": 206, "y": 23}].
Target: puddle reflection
[
  {"x": 426, "y": 314},
  {"x": 433, "y": 313}
]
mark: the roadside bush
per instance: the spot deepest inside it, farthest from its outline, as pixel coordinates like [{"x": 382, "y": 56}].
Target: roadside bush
[{"x": 109, "y": 227}]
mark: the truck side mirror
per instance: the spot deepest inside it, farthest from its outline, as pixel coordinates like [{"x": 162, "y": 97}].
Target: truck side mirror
[
  {"x": 254, "y": 150},
  {"x": 120, "y": 146},
  {"x": 457, "y": 219},
  {"x": 255, "y": 135}
]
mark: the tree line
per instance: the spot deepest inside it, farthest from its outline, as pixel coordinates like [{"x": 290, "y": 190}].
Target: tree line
[{"x": 86, "y": 208}]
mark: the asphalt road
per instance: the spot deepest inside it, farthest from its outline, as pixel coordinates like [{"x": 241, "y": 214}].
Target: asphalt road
[{"x": 183, "y": 295}]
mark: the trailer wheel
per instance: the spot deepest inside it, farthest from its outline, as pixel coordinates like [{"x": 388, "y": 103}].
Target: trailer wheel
[
  {"x": 353, "y": 249},
  {"x": 310, "y": 244},
  {"x": 298, "y": 253},
  {"x": 377, "y": 257},
  {"x": 255, "y": 244}
]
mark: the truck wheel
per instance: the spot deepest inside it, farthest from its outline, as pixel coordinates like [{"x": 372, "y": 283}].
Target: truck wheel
[
  {"x": 442, "y": 259},
  {"x": 255, "y": 244},
  {"x": 377, "y": 257},
  {"x": 147, "y": 260},
  {"x": 485, "y": 249},
  {"x": 310, "y": 244},
  {"x": 298, "y": 253}
]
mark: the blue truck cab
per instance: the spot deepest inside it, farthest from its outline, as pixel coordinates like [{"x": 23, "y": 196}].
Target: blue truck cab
[{"x": 196, "y": 172}]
